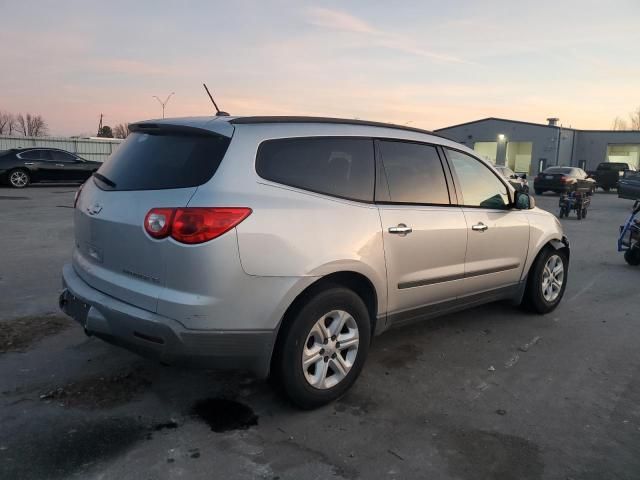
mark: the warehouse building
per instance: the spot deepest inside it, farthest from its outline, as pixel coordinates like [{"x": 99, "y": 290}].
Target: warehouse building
[{"x": 531, "y": 147}]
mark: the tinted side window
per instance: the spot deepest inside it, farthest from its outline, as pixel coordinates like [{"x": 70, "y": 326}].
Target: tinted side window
[
  {"x": 343, "y": 167},
  {"x": 31, "y": 155},
  {"x": 414, "y": 173},
  {"x": 62, "y": 156},
  {"x": 480, "y": 187}
]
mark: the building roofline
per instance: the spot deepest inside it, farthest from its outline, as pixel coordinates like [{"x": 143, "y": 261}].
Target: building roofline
[{"x": 535, "y": 125}]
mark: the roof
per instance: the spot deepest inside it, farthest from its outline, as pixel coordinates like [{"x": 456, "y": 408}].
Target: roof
[
  {"x": 502, "y": 120},
  {"x": 224, "y": 124},
  {"x": 332, "y": 120},
  {"x": 520, "y": 122}
]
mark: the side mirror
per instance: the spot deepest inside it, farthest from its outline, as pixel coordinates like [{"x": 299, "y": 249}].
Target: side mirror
[{"x": 524, "y": 201}]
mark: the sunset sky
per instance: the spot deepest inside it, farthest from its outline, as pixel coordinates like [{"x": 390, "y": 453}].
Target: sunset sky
[{"x": 426, "y": 63}]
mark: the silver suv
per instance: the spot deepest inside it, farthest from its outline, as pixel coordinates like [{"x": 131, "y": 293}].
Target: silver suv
[{"x": 282, "y": 245}]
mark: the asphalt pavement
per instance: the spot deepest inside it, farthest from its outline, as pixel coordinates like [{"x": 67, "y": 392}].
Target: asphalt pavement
[{"x": 490, "y": 393}]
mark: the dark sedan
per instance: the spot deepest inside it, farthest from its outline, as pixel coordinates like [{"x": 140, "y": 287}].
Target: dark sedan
[
  {"x": 629, "y": 185},
  {"x": 20, "y": 167},
  {"x": 563, "y": 179}
]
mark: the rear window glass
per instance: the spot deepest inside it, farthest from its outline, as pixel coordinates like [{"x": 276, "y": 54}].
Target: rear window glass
[
  {"x": 342, "y": 167},
  {"x": 158, "y": 161},
  {"x": 564, "y": 171}
]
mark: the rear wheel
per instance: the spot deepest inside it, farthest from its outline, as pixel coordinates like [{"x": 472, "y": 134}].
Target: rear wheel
[
  {"x": 19, "y": 178},
  {"x": 323, "y": 348},
  {"x": 632, "y": 256},
  {"x": 547, "y": 281}
]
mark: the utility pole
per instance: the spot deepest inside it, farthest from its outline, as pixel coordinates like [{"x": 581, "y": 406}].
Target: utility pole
[
  {"x": 100, "y": 125},
  {"x": 164, "y": 104}
]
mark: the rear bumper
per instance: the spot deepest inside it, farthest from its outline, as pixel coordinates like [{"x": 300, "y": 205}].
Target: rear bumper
[{"x": 161, "y": 338}]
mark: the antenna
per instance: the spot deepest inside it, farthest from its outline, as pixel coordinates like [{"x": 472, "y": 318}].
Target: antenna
[{"x": 219, "y": 113}]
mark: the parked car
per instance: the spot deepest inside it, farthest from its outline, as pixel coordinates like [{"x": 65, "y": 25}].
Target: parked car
[
  {"x": 607, "y": 174},
  {"x": 629, "y": 185},
  {"x": 20, "y": 167},
  {"x": 563, "y": 179},
  {"x": 519, "y": 182},
  {"x": 281, "y": 245}
]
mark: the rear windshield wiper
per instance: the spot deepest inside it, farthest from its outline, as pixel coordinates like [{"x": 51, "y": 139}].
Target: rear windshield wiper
[{"x": 104, "y": 179}]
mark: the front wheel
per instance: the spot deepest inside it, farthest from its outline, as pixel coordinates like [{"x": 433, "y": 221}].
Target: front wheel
[
  {"x": 547, "y": 281},
  {"x": 323, "y": 348},
  {"x": 19, "y": 178}
]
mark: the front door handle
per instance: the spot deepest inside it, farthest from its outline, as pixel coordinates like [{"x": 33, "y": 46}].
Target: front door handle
[
  {"x": 59, "y": 164},
  {"x": 479, "y": 227},
  {"x": 28, "y": 163},
  {"x": 401, "y": 229}
]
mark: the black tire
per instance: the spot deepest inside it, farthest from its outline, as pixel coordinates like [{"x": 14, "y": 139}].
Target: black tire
[
  {"x": 579, "y": 213},
  {"x": 19, "y": 178},
  {"x": 562, "y": 212},
  {"x": 533, "y": 299},
  {"x": 538, "y": 191},
  {"x": 632, "y": 256},
  {"x": 584, "y": 213},
  {"x": 287, "y": 369}
]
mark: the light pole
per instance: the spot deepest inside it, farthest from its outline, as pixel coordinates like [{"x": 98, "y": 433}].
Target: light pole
[{"x": 164, "y": 104}]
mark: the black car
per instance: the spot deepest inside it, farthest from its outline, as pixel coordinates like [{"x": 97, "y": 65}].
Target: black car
[
  {"x": 629, "y": 185},
  {"x": 563, "y": 179},
  {"x": 20, "y": 167},
  {"x": 519, "y": 182},
  {"x": 608, "y": 174}
]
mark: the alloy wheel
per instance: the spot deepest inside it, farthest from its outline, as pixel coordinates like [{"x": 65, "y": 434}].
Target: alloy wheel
[
  {"x": 19, "y": 179},
  {"x": 330, "y": 350},
  {"x": 552, "y": 278}
]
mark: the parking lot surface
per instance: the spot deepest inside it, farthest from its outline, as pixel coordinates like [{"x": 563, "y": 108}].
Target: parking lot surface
[{"x": 488, "y": 393}]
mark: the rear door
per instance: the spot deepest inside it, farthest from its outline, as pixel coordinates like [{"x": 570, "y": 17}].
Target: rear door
[
  {"x": 424, "y": 236},
  {"x": 113, "y": 252},
  {"x": 71, "y": 169},
  {"x": 498, "y": 236}
]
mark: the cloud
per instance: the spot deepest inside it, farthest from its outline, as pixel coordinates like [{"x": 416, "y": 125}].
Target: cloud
[
  {"x": 336, "y": 20},
  {"x": 347, "y": 23}
]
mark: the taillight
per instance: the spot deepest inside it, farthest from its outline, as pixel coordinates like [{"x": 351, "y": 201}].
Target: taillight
[
  {"x": 157, "y": 223},
  {"x": 564, "y": 179},
  {"x": 77, "y": 196},
  {"x": 194, "y": 224}
]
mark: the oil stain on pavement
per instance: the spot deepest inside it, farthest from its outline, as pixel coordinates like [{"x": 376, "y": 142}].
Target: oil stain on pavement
[{"x": 223, "y": 415}]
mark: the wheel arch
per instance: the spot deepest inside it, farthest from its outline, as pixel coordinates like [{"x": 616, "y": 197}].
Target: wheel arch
[{"x": 355, "y": 281}]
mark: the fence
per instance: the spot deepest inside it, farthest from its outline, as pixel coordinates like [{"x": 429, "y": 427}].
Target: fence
[{"x": 97, "y": 149}]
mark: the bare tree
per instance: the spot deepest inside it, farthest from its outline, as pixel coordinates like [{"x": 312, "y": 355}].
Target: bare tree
[
  {"x": 620, "y": 124},
  {"x": 634, "y": 117},
  {"x": 7, "y": 123},
  {"x": 31, "y": 125},
  {"x": 121, "y": 130}
]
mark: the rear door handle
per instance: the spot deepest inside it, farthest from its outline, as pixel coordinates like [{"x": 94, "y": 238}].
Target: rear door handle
[
  {"x": 479, "y": 227},
  {"x": 28, "y": 163},
  {"x": 401, "y": 229}
]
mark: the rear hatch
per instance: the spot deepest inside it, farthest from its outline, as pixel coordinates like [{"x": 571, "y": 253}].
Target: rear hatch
[{"x": 158, "y": 166}]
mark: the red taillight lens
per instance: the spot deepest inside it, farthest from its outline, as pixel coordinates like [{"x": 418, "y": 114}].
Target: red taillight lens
[
  {"x": 564, "y": 179},
  {"x": 197, "y": 225},
  {"x": 157, "y": 223},
  {"x": 193, "y": 225}
]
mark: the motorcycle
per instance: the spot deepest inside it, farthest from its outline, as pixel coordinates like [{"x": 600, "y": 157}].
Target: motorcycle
[{"x": 629, "y": 239}]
